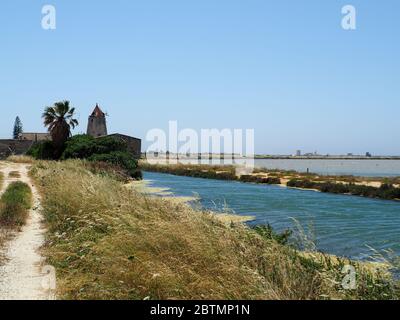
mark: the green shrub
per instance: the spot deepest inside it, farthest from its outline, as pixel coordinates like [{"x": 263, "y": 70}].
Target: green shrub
[
  {"x": 122, "y": 159},
  {"x": 84, "y": 146},
  {"x": 306, "y": 184},
  {"x": 260, "y": 179},
  {"x": 108, "y": 169},
  {"x": 42, "y": 151},
  {"x": 268, "y": 233},
  {"x": 338, "y": 188},
  {"x": 79, "y": 147},
  {"x": 15, "y": 203}
]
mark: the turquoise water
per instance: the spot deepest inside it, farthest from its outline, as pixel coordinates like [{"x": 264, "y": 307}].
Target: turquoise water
[{"x": 342, "y": 225}]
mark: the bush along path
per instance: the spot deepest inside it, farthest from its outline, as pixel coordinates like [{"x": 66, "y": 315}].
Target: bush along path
[{"x": 22, "y": 275}]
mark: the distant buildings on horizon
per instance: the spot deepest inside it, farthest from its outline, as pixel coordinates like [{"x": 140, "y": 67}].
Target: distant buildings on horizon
[{"x": 315, "y": 154}]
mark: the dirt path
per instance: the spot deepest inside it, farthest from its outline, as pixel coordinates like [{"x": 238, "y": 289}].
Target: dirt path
[{"x": 22, "y": 276}]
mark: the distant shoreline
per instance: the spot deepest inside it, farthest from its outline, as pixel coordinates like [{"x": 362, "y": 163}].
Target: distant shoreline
[
  {"x": 325, "y": 158},
  {"x": 264, "y": 157}
]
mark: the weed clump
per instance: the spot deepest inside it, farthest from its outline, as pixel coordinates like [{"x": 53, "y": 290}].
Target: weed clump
[{"x": 15, "y": 204}]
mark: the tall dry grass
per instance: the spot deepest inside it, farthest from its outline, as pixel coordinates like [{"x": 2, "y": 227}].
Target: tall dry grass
[
  {"x": 109, "y": 242},
  {"x": 14, "y": 174},
  {"x": 3, "y": 234},
  {"x": 20, "y": 159},
  {"x": 1, "y": 180}
]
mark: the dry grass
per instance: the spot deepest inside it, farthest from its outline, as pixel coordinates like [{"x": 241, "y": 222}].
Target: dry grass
[
  {"x": 4, "y": 237},
  {"x": 3, "y": 233},
  {"x": 110, "y": 242},
  {"x": 14, "y": 174},
  {"x": 20, "y": 159},
  {"x": 1, "y": 180}
]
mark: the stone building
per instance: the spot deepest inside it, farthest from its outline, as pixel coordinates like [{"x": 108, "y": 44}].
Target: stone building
[
  {"x": 134, "y": 144},
  {"x": 97, "y": 127}
]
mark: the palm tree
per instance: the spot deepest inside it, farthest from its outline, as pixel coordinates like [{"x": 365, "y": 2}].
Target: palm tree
[{"x": 59, "y": 119}]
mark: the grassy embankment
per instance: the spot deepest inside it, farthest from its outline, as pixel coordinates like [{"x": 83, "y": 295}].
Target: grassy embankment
[
  {"x": 108, "y": 241},
  {"x": 382, "y": 188}
]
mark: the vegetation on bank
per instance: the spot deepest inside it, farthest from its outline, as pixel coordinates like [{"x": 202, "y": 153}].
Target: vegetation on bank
[
  {"x": 267, "y": 232},
  {"x": 109, "y": 150},
  {"x": 258, "y": 179},
  {"x": 338, "y": 185},
  {"x": 207, "y": 172},
  {"x": 15, "y": 204},
  {"x": 119, "y": 244},
  {"x": 385, "y": 191},
  {"x": 195, "y": 171}
]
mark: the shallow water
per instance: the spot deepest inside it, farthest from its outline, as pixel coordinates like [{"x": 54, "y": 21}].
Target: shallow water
[{"x": 342, "y": 225}]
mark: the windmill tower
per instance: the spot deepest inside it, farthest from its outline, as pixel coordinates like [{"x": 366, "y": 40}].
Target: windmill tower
[{"x": 97, "y": 124}]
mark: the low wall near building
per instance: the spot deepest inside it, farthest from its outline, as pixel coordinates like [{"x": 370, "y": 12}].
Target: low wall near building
[
  {"x": 134, "y": 144},
  {"x": 9, "y": 147}
]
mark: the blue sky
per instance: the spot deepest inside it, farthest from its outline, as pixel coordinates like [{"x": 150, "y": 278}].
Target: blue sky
[{"x": 285, "y": 68}]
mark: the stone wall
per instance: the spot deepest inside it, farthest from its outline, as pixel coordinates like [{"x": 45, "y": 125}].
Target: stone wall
[
  {"x": 35, "y": 136},
  {"x": 18, "y": 147},
  {"x": 134, "y": 144}
]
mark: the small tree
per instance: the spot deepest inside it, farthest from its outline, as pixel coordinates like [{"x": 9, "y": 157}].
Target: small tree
[{"x": 18, "y": 129}]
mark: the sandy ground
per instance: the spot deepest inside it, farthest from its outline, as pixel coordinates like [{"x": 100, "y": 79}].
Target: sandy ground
[{"x": 22, "y": 274}]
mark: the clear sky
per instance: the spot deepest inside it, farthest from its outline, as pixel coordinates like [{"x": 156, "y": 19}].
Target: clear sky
[{"x": 285, "y": 68}]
